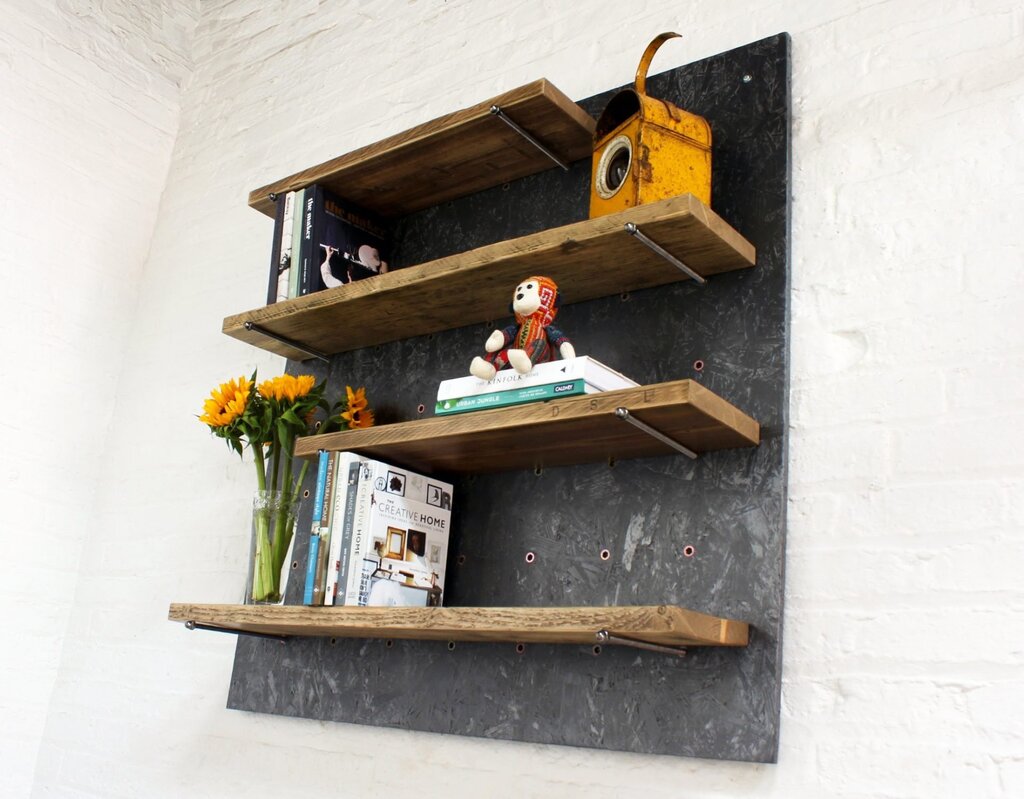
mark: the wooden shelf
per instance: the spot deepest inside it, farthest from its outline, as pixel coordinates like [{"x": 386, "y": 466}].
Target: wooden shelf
[
  {"x": 559, "y": 432},
  {"x": 451, "y": 156},
  {"x": 660, "y": 624},
  {"x": 589, "y": 259}
]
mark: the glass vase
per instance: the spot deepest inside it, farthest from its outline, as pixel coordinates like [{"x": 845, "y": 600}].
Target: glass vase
[{"x": 274, "y": 518}]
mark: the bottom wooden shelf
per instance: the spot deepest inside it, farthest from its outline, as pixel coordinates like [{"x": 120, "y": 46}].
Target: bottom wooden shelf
[{"x": 666, "y": 625}]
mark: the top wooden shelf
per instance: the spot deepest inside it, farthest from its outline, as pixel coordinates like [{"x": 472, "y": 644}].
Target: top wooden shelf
[
  {"x": 588, "y": 259},
  {"x": 452, "y": 156}
]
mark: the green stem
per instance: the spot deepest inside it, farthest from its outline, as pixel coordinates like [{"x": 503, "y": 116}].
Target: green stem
[
  {"x": 282, "y": 528},
  {"x": 263, "y": 583}
]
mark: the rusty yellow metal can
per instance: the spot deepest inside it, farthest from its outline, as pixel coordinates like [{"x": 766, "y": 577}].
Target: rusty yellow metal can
[{"x": 647, "y": 149}]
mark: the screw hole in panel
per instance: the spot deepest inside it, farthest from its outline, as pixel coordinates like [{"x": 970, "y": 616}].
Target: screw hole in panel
[
  {"x": 530, "y": 557},
  {"x": 605, "y": 554},
  {"x": 689, "y": 551},
  {"x": 388, "y": 643},
  {"x": 460, "y": 559},
  {"x": 420, "y": 408},
  {"x": 597, "y": 649},
  {"x": 451, "y": 645},
  {"x": 698, "y": 365},
  {"x": 520, "y": 648}
]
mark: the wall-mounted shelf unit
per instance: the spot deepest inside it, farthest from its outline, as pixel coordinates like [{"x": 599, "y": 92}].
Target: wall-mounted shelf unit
[
  {"x": 561, "y": 432},
  {"x": 657, "y": 624},
  {"x": 589, "y": 259},
  {"x": 451, "y": 156},
  {"x": 617, "y": 547}
]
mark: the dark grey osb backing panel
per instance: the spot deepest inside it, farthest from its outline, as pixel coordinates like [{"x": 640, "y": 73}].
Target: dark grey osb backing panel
[{"x": 730, "y": 506}]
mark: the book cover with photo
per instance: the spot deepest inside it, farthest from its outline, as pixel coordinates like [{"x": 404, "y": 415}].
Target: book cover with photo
[
  {"x": 340, "y": 243},
  {"x": 400, "y": 541}
]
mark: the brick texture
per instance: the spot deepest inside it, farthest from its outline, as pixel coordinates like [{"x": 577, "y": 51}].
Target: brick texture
[{"x": 143, "y": 131}]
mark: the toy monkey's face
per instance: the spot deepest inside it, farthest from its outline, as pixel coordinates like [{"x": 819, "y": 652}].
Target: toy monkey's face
[
  {"x": 536, "y": 298},
  {"x": 526, "y": 299}
]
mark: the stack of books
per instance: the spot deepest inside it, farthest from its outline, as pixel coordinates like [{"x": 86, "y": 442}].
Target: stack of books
[
  {"x": 322, "y": 242},
  {"x": 564, "y": 378},
  {"x": 379, "y": 534}
]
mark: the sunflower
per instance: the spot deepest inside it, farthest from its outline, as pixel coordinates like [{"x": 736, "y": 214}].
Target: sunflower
[
  {"x": 226, "y": 403},
  {"x": 357, "y": 413},
  {"x": 287, "y": 387}
]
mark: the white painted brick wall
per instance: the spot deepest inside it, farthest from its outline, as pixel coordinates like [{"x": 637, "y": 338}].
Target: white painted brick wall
[
  {"x": 905, "y": 613},
  {"x": 89, "y": 117}
]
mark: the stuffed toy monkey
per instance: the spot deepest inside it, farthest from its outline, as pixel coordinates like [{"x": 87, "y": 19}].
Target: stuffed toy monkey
[{"x": 532, "y": 339}]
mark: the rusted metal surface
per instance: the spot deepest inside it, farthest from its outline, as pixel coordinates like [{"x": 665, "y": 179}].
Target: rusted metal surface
[{"x": 646, "y": 149}]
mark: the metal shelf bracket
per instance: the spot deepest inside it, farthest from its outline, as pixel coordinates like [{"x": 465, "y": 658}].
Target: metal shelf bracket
[
  {"x": 605, "y": 637},
  {"x": 255, "y": 328},
  {"x": 496, "y": 110},
  {"x": 192, "y": 625},
  {"x": 626, "y": 416},
  {"x": 639, "y": 235}
]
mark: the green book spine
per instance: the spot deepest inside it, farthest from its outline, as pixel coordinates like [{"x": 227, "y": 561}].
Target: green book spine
[{"x": 516, "y": 396}]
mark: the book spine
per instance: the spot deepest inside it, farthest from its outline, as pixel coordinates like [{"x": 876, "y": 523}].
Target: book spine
[
  {"x": 314, "y": 553},
  {"x": 358, "y": 547},
  {"x": 312, "y": 200},
  {"x": 509, "y": 379},
  {"x": 325, "y": 532},
  {"x": 342, "y": 483},
  {"x": 581, "y": 367},
  {"x": 275, "y": 249},
  {"x": 314, "y": 535},
  {"x": 515, "y": 396},
  {"x": 285, "y": 255},
  {"x": 348, "y": 523},
  {"x": 296, "y": 268}
]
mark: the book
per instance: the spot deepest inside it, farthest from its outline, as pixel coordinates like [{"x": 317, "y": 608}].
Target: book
[
  {"x": 568, "y": 377},
  {"x": 340, "y": 243},
  {"x": 295, "y": 269},
  {"x": 284, "y": 244},
  {"x": 400, "y": 538},
  {"x": 323, "y": 461},
  {"x": 344, "y": 502},
  {"x": 513, "y": 396},
  {"x": 352, "y": 563},
  {"x": 326, "y": 507},
  {"x": 275, "y": 249}
]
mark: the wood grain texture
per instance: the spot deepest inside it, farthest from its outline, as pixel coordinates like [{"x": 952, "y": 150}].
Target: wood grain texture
[
  {"x": 588, "y": 259},
  {"x": 560, "y": 432},
  {"x": 451, "y": 156},
  {"x": 662, "y": 624}
]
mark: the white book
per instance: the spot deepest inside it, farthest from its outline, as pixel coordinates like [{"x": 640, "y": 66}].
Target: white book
[
  {"x": 352, "y": 566},
  {"x": 286, "y": 246},
  {"x": 403, "y": 551},
  {"x": 594, "y": 373},
  {"x": 345, "y": 486}
]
